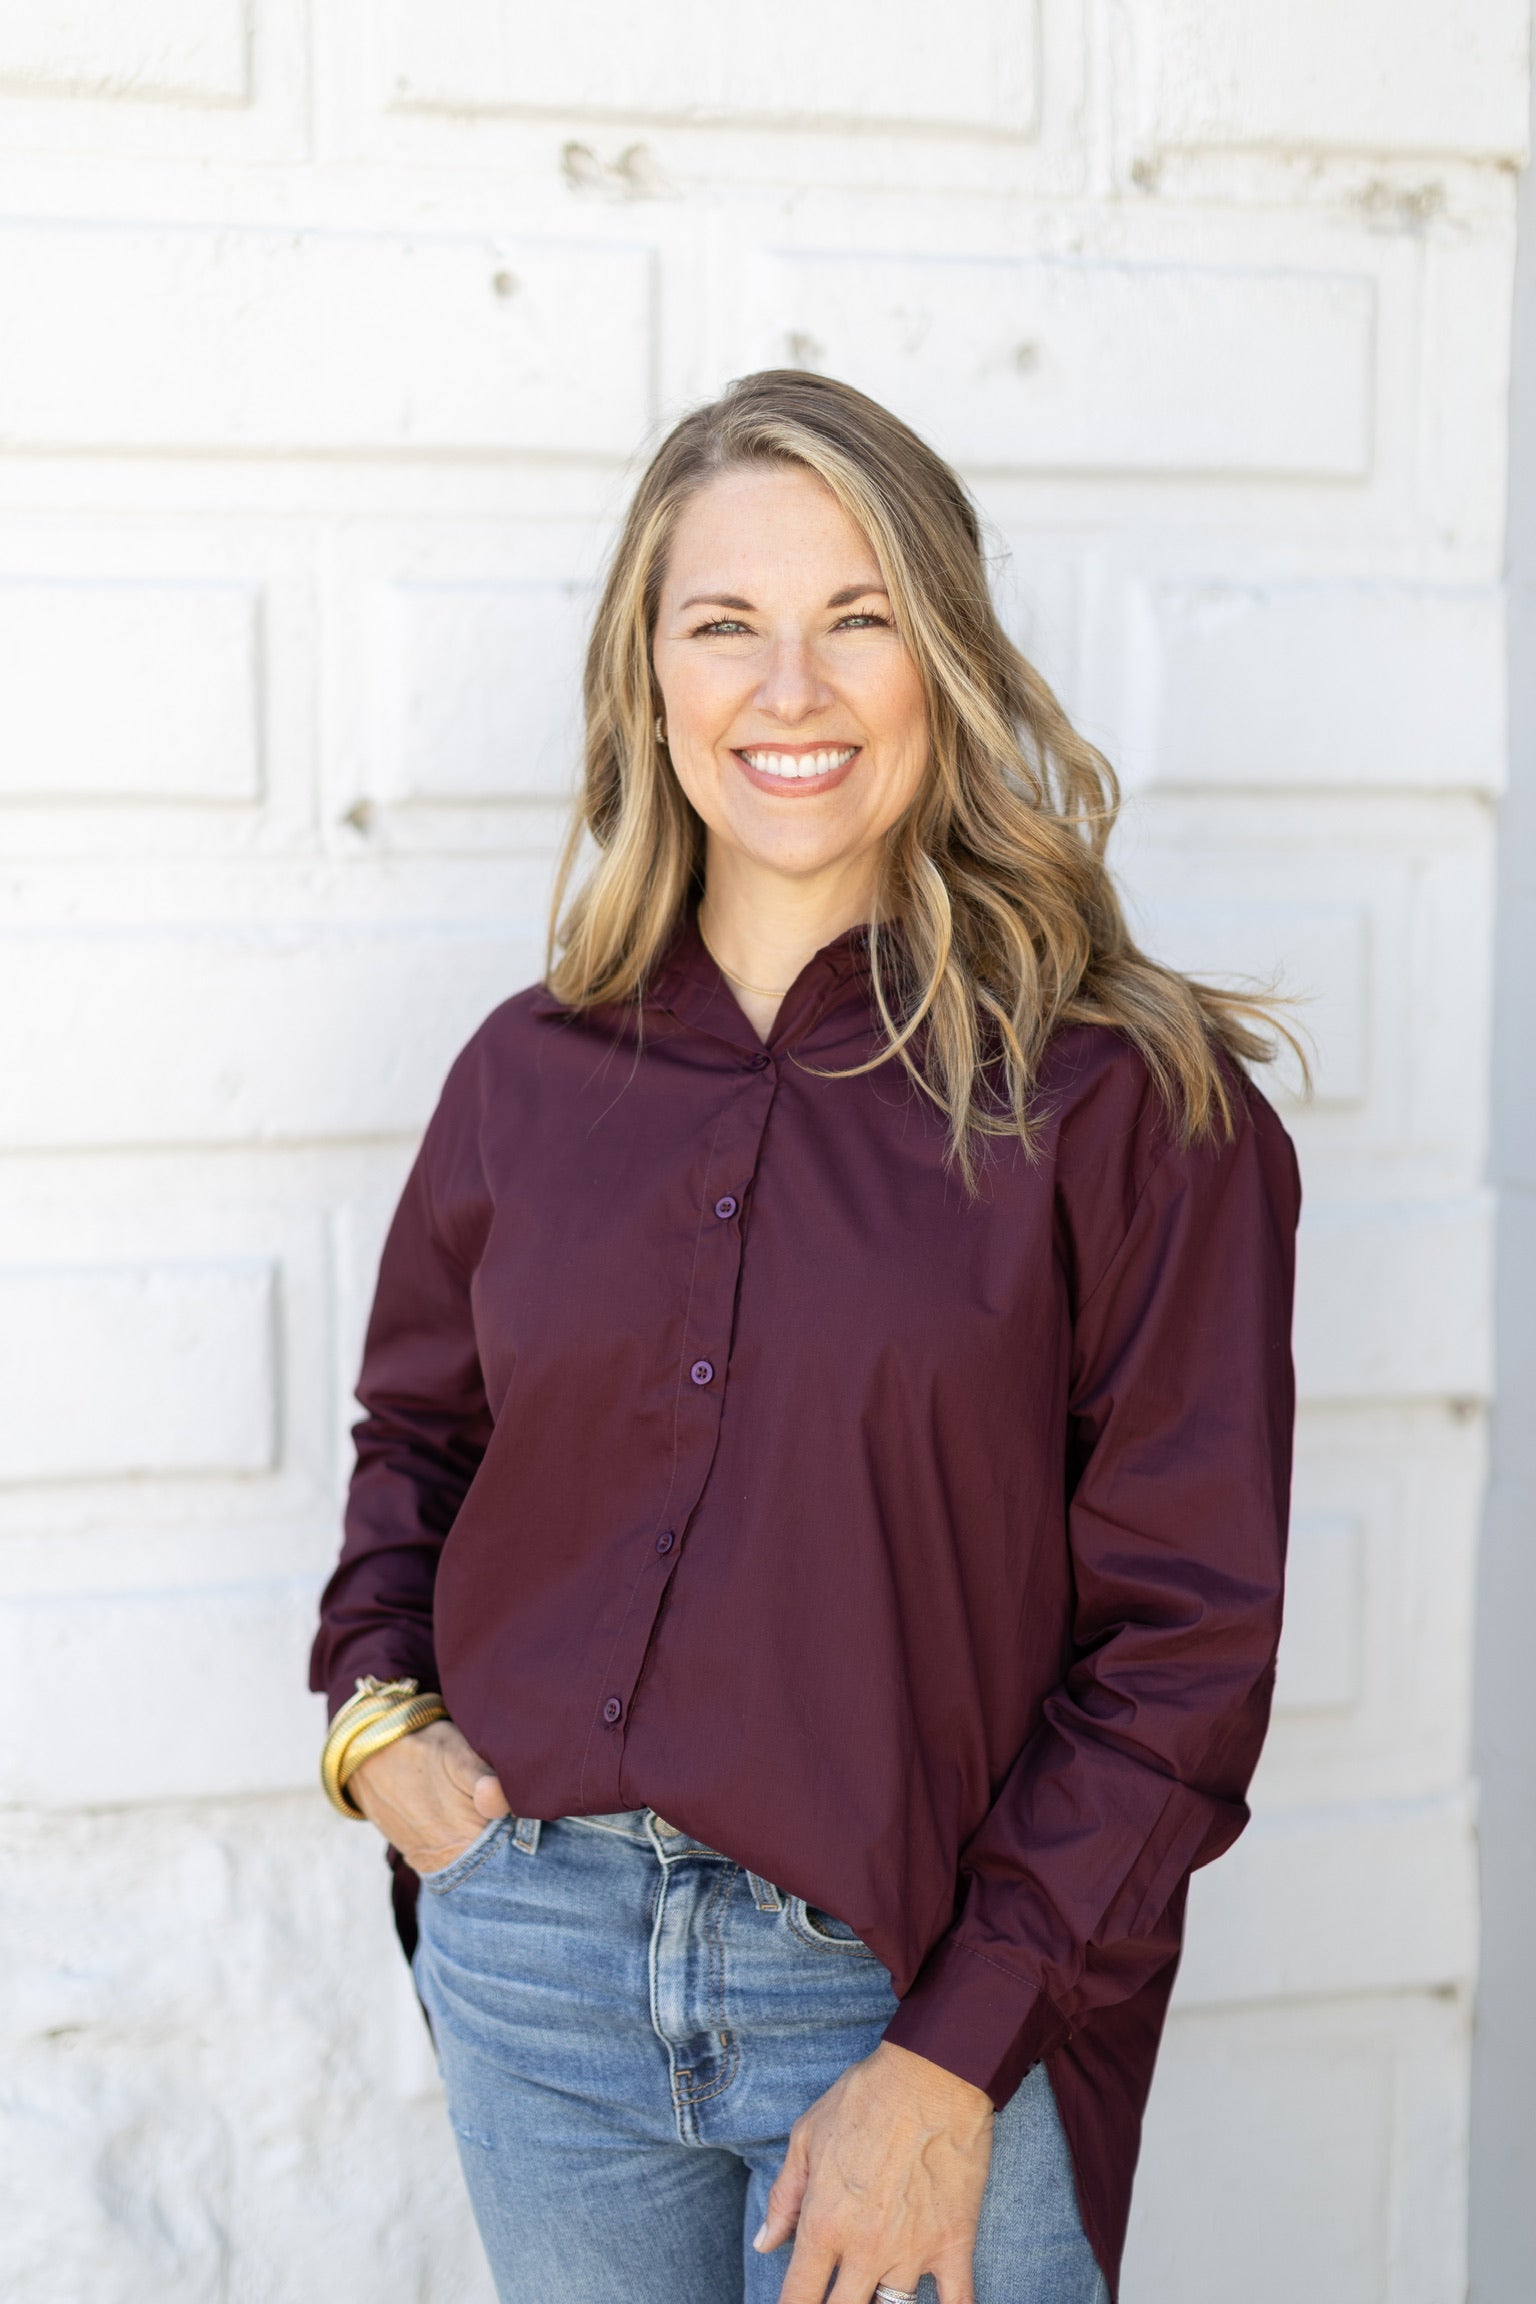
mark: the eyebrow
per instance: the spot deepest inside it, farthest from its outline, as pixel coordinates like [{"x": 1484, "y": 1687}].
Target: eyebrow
[{"x": 843, "y": 599}]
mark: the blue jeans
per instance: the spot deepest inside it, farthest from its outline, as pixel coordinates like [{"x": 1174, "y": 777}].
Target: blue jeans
[{"x": 628, "y": 2024}]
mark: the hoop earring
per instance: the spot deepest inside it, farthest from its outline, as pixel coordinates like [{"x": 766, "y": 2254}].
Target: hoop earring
[{"x": 661, "y": 734}]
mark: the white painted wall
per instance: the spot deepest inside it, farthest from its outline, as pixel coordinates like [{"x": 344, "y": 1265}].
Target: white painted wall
[
  {"x": 328, "y": 330},
  {"x": 1503, "y": 2201}
]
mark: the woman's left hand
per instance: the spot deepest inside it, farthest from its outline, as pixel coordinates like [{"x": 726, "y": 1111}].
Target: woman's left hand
[{"x": 883, "y": 2182}]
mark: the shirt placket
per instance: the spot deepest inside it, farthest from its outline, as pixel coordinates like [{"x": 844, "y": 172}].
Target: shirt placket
[{"x": 702, "y": 1380}]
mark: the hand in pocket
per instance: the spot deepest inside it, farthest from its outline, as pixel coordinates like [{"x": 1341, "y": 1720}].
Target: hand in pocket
[{"x": 429, "y": 1794}]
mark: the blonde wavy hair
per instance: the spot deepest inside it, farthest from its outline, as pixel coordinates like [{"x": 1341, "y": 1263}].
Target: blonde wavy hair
[{"x": 995, "y": 920}]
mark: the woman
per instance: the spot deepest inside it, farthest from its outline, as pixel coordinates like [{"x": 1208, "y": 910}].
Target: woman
[{"x": 827, "y": 1435}]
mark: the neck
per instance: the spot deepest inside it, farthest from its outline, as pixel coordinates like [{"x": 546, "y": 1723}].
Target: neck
[{"x": 763, "y": 927}]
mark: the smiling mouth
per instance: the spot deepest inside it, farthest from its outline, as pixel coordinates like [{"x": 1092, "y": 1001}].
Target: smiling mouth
[{"x": 799, "y": 767}]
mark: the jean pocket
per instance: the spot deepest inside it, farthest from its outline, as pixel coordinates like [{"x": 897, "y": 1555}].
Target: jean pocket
[
  {"x": 468, "y": 1859},
  {"x": 822, "y": 1931}
]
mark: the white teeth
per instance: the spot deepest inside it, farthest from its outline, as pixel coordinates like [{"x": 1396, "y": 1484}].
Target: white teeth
[{"x": 786, "y": 764}]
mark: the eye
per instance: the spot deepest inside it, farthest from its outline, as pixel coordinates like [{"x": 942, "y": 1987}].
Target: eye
[
  {"x": 725, "y": 624},
  {"x": 860, "y": 619}
]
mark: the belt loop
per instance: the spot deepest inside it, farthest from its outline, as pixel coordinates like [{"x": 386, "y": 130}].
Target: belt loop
[
  {"x": 764, "y": 1894},
  {"x": 525, "y": 1834}
]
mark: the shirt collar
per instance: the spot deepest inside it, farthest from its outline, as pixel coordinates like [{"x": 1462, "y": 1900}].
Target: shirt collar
[
  {"x": 688, "y": 985},
  {"x": 691, "y": 986}
]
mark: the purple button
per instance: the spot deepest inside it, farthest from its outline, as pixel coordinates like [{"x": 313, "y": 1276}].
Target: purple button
[
  {"x": 759, "y": 1063},
  {"x": 665, "y": 1540},
  {"x": 613, "y": 1710},
  {"x": 702, "y": 1371},
  {"x": 725, "y": 1208}
]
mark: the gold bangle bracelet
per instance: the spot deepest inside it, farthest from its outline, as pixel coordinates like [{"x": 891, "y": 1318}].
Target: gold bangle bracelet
[
  {"x": 367, "y": 1729},
  {"x": 419, "y": 1712},
  {"x": 369, "y": 1691},
  {"x": 374, "y": 1734},
  {"x": 378, "y": 1714},
  {"x": 372, "y": 1700}
]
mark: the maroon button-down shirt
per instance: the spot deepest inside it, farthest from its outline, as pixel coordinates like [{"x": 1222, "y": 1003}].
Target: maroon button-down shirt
[{"x": 920, "y": 1551}]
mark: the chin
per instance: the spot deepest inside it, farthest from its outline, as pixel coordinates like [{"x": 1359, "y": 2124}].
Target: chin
[{"x": 798, "y": 857}]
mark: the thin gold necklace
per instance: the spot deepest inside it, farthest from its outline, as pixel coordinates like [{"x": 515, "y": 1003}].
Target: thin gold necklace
[{"x": 763, "y": 991}]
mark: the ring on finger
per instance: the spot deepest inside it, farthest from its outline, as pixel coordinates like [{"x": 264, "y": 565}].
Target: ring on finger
[{"x": 885, "y": 2294}]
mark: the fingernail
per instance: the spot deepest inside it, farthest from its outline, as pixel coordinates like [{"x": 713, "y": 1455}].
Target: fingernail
[{"x": 760, "y": 2235}]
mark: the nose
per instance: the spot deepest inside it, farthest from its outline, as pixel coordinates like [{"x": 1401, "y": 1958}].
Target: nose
[{"x": 792, "y": 687}]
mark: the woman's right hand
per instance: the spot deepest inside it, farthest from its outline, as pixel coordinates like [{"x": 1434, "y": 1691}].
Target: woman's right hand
[{"x": 430, "y": 1794}]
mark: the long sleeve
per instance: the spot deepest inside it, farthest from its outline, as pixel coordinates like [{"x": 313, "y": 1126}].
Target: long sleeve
[
  {"x": 1179, "y": 1452},
  {"x": 426, "y": 1422}
]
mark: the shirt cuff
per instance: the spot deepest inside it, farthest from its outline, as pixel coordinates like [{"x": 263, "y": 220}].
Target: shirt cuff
[{"x": 977, "y": 2019}]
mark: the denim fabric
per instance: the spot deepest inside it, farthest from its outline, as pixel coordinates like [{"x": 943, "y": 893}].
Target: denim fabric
[{"x": 628, "y": 2024}]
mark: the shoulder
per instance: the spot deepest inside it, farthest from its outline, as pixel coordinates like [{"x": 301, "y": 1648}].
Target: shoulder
[
  {"x": 495, "y": 1053},
  {"x": 513, "y": 1023},
  {"x": 530, "y": 1050},
  {"x": 1094, "y": 1088},
  {"x": 1097, "y": 1098},
  {"x": 1113, "y": 1143},
  {"x": 505, "y": 1041}
]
